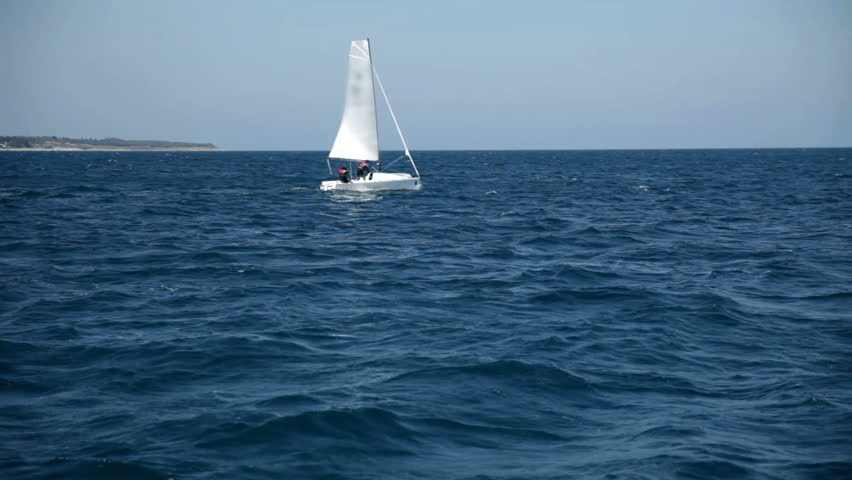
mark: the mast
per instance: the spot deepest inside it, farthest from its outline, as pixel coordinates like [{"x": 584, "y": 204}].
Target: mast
[{"x": 376, "y": 110}]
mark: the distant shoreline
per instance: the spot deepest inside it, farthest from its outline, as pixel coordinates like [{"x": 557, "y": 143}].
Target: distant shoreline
[
  {"x": 114, "y": 149},
  {"x": 24, "y": 143}
]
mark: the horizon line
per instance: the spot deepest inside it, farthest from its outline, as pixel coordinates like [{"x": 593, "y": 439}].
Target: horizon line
[
  {"x": 541, "y": 149},
  {"x": 220, "y": 150}
]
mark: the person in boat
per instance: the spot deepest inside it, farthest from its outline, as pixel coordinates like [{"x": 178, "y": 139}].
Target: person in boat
[
  {"x": 344, "y": 174},
  {"x": 363, "y": 170}
]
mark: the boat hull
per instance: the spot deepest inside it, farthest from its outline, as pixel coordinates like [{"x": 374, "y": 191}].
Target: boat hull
[{"x": 376, "y": 181}]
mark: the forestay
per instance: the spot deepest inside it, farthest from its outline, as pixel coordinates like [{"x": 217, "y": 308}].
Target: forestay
[{"x": 358, "y": 137}]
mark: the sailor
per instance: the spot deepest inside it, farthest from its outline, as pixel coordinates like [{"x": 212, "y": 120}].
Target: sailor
[
  {"x": 363, "y": 170},
  {"x": 344, "y": 174}
]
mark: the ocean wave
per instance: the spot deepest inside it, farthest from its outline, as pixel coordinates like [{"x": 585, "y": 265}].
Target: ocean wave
[
  {"x": 363, "y": 429},
  {"x": 99, "y": 469},
  {"x": 516, "y": 373},
  {"x": 207, "y": 316},
  {"x": 485, "y": 436}
]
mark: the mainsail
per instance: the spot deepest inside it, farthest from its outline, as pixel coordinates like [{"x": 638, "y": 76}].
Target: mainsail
[{"x": 358, "y": 137}]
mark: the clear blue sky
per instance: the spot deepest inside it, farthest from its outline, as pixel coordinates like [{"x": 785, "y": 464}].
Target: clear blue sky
[{"x": 479, "y": 74}]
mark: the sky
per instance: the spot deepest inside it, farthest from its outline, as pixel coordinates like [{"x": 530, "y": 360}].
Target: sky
[{"x": 461, "y": 74}]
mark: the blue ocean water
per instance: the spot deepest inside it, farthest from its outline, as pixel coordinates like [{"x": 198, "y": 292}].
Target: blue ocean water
[{"x": 527, "y": 315}]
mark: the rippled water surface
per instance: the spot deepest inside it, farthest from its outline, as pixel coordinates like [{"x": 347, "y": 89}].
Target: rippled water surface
[{"x": 527, "y": 315}]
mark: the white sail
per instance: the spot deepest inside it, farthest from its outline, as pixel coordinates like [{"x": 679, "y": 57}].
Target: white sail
[{"x": 358, "y": 137}]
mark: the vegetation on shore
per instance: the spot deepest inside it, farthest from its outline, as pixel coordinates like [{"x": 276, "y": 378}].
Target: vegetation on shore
[{"x": 64, "y": 143}]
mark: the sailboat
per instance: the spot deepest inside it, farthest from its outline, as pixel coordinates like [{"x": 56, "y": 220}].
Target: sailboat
[{"x": 357, "y": 138}]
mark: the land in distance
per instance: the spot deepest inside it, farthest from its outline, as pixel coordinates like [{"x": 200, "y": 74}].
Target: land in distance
[{"x": 72, "y": 144}]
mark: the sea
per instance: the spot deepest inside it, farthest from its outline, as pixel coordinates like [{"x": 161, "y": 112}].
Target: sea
[{"x": 637, "y": 314}]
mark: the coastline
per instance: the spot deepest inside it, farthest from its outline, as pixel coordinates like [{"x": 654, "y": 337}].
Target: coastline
[{"x": 114, "y": 149}]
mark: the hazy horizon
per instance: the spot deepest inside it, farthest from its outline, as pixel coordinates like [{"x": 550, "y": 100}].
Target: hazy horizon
[{"x": 475, "y": 75}]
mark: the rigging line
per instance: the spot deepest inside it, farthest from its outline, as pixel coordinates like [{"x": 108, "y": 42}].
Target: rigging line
[
  {"x": 395, "y": 160},
  {"x": 390, "y": 109}
]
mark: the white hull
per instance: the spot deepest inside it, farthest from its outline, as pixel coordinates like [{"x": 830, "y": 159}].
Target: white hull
[{"x": 379, "y": 181}]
